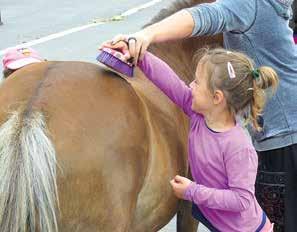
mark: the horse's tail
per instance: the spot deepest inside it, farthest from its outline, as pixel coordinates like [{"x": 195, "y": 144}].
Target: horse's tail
[{"x": 28, "y": 189}]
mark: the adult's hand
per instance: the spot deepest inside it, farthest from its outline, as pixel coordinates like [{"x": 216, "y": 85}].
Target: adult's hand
[
  {"x": 121, "y": 45},
  {"x": 136, "y": 44}
]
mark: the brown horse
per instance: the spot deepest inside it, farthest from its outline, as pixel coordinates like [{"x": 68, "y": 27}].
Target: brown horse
[{"x": 104, "y": 145}]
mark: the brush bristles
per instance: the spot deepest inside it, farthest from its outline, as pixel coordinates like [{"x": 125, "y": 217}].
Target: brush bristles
[{"x": 115, "y": 63}]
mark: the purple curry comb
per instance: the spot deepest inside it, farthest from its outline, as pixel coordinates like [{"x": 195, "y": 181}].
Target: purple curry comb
[{"x": 115, "y": 60}]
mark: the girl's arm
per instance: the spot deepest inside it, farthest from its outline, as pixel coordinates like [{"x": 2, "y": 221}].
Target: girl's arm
[
  {"x": 167, "y": 81},
  {"x": 241, "y": 171}
]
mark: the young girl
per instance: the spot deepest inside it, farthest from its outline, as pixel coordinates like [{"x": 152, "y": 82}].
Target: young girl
[{"x": 222, "y": 158}]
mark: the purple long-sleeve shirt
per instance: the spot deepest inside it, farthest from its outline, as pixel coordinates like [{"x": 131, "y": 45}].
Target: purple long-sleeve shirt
[{"x": 223, "y": 165}]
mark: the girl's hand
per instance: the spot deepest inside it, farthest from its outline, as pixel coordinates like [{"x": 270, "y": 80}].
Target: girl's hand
[
  {"x": 136, "y": 44},
  {"x": 118, "y": 42},
  {"x": 121, "y": 46},
  {"x": 179, "y": 185}
]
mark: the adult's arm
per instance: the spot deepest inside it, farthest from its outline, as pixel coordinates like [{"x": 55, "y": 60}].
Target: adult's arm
[{"x": 202, "y": 19}]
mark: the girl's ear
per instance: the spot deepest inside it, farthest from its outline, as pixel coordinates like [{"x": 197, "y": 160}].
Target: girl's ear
[{"x": 218, "y": 97}]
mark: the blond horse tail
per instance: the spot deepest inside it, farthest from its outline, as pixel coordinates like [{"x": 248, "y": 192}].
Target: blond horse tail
[{"x": 28, "y": 188}]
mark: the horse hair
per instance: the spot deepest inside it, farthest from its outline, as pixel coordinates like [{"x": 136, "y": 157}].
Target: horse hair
[{"x": 28, "y": 186}]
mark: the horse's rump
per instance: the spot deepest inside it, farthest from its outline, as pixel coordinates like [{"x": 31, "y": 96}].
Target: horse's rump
[{"x": 109, "y": 136}]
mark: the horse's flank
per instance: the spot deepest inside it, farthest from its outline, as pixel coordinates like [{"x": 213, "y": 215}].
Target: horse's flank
[{"x": 106, "y": 135}]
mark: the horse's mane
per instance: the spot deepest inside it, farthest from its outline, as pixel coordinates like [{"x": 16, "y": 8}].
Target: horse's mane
[{"x": 179, "y": 54}]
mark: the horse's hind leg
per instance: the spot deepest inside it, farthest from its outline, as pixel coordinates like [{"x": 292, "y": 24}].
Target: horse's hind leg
[
  {"x": 99, "y": 196},
  {"x": 185, "y": 222},
  {"x": 92, "y": 203}
]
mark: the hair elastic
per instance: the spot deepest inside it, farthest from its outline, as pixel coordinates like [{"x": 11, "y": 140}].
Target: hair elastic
[{"x": 255, "y": 73}]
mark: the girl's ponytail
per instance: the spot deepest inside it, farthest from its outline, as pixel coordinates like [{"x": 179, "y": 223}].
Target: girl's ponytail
[{"x": 263, "y": 78}]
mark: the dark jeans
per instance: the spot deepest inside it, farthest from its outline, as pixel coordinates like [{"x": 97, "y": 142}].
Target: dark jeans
[{"x": 276, "y": 187}]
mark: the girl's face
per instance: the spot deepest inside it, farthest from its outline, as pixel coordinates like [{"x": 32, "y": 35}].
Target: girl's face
[{"x": 202, "y": 98}]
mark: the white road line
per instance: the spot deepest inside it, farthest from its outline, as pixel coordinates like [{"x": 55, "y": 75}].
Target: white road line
[
  {"x": 53, "y": 36},
  {"x": 80, "y": 28},
  {"x": 141, "y": 7}
]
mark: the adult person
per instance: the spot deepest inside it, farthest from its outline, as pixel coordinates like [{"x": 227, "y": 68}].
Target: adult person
[{"x": 261, "y": 30}]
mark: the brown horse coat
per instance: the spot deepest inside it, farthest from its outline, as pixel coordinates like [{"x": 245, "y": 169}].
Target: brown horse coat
[{"x": 116, "y": 146}]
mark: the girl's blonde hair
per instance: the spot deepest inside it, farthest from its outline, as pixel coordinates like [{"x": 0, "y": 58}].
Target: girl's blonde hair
[{"x": 244, "y": 86}]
